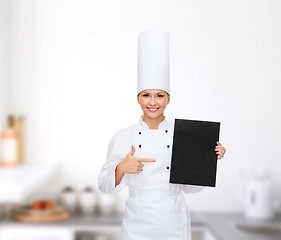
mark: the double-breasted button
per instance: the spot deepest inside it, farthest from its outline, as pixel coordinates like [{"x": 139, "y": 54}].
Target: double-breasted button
[
  {"x": 168, "y": 146},
  {"x": 139, "y": 133},
  {"x": 166, "y": 131},
  {"x": 168, "y": 167},
  {"x": 139, "y": 146}
]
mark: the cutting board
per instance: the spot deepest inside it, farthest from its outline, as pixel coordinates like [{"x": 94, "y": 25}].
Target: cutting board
[{"x": 48, "y": 216}]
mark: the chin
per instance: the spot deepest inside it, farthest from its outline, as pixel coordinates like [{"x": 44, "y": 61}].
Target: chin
[{"x": 153, "y": 115}]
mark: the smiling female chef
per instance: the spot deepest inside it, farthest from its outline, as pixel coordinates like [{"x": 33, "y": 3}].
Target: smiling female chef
[{"x": 140, "y": 155}]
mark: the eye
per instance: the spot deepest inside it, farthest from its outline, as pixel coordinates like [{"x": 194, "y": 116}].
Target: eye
[
  {"x": 160, "y": 95},
  {"x": 145, "y": 95}
]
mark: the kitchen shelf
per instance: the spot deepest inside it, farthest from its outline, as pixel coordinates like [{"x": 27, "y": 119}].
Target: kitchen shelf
[{"x": 17, "y": 183}]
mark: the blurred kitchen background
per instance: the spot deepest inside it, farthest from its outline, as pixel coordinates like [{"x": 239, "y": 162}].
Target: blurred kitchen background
[{"x": 68, "y": 82}]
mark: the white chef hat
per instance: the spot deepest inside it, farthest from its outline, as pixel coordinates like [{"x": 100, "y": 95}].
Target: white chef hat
[{"x": 153, "y": 61}]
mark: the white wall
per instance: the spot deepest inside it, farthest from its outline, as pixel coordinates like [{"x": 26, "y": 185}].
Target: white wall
[
  {"x": 1, "y": 65},
  {"x": 72, "y": 74}
]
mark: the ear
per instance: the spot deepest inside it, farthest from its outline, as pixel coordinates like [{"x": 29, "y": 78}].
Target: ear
[{"x": 138, "y": 98}]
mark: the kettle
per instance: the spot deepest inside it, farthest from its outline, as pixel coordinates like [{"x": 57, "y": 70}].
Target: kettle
[{"x": 257, "y": 195}]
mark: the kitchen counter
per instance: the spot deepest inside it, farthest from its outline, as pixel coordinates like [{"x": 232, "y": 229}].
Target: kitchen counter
[
  {"x": 224, "y": 226},
  {"x": 80, "y": 220},
  {"x": 221, "y": 225}
]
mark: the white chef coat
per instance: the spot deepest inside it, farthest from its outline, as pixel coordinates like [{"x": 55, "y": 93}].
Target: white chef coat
[{"x": 155, "y": 209}]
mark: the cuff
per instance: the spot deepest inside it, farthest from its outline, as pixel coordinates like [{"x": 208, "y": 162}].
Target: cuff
[{"x": 122, "y": 183}]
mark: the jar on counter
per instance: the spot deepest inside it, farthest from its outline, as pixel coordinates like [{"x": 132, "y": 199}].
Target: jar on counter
[
  {"x": 107, "y": 203},
  {"x": 87, "y": 201},
  {"x": 9, "y": 148},
  {"x": 69, "y": 199}
]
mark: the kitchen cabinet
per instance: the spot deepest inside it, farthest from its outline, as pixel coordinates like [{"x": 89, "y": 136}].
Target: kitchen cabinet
[
  {"x": 79, "y": 227},
  {"x": 205, "y": 226},
  {"x": 35, "y": 233},
  {"x": 68, "y": 233},
  {"x": 198, "y": 233}
]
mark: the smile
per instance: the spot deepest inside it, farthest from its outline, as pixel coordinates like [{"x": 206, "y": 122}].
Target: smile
[{"x": 152, "y": 109}]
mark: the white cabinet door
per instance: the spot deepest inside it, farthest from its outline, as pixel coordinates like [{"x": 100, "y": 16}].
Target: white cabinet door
[{"x": 34, "y": 233}]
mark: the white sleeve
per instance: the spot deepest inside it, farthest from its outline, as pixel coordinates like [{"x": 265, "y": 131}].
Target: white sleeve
[
  {"x": 191, "y": 188},
  {"x": 106, "y": 178}
]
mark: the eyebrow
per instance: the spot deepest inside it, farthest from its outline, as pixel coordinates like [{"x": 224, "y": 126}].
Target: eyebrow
[{"x": 155, "y": 93}]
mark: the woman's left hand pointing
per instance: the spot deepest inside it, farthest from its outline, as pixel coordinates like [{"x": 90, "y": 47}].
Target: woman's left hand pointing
[{"x": 220, "y": 150}]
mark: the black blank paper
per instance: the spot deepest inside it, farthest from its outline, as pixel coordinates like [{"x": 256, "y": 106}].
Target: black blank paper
[{"x": 194, "y": 160}]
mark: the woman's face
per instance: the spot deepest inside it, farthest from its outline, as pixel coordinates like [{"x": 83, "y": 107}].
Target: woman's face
[{"x": 153, "y": 102}]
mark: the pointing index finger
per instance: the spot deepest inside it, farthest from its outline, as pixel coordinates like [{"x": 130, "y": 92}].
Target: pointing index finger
[{"x": 145, "y": 160}]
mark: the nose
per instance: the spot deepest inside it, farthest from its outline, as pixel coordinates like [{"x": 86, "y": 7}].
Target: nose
[{"x": 152, "y": 102}]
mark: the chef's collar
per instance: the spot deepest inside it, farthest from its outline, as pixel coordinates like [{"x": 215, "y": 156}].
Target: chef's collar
[{"x": 144, "y": 124}]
